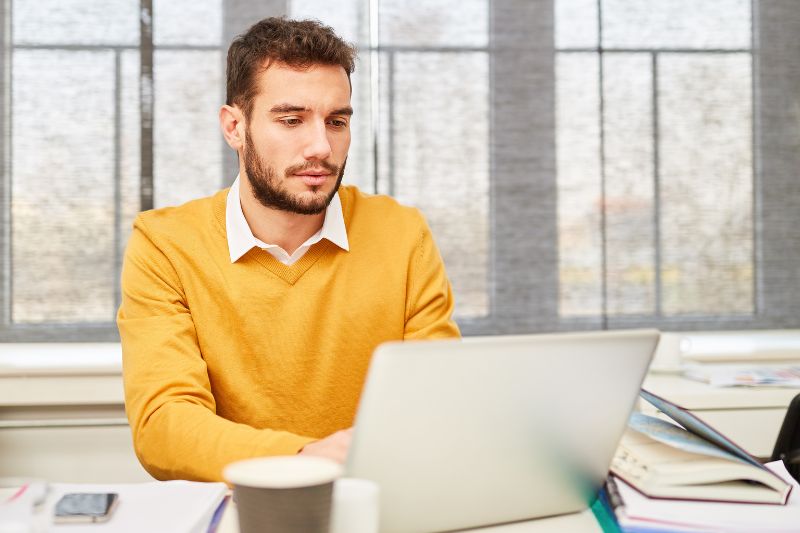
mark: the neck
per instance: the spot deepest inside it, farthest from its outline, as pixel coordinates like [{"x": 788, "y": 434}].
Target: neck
[{"x": 273, "y": 226}]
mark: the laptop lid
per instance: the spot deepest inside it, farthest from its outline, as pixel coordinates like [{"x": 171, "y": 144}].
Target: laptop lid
[{"x": 464, "y": 433}]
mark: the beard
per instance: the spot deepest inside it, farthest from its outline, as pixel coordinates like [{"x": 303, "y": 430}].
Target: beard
[{"x": 273, "y": 194}]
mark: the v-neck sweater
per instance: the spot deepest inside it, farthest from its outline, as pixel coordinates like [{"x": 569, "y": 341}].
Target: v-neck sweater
[{"x": 224, "y": 361}]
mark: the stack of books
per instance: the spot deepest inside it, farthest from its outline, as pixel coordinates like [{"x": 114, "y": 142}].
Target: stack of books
[{"x": 677, "y": 473}]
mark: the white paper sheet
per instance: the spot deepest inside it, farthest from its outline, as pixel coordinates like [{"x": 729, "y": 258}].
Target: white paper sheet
[{"x": 174, "y": 506}]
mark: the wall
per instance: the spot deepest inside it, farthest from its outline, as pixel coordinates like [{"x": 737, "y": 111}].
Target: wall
[{"x": 64, "y": 420}]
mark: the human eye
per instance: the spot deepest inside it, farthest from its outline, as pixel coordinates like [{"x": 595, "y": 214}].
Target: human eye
[
  {"x": 290, "y": 121},
  {"x": 338, "y": 123}
]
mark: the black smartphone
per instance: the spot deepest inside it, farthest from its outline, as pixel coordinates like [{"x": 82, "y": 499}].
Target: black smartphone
[{"x": 85, "y": 507}]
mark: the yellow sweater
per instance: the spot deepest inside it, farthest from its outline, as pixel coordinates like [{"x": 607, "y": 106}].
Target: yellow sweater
[{"x": 224, "y": 361}]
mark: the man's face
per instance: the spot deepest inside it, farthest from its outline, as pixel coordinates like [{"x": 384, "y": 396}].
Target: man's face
[{"x": 298, "y": 136}]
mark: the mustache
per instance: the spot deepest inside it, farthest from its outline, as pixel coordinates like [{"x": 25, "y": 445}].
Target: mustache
[{"x": 330, "y": 167}]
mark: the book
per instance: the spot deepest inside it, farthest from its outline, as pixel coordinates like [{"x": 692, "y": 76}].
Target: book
[
  {"x": 689, "y": 460},
  {"x": 635, "y": 512}
]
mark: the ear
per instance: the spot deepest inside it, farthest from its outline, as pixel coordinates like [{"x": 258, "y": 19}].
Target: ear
[{"x": 231, "y": 121}]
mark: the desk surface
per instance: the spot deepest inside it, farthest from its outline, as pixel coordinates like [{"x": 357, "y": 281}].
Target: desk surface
[
  {"x": 695, "y": 395},
  {"x": 583, "y": 522}
]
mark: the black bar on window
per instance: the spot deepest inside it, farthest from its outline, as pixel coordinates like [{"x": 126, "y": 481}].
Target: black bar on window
[
  {"x": 117, "y": 177},
  {"x": 146, "y": 96},
  {"x": 656, "y": 191},
  {"x": 390, "y": 114},
  {"x": 758, "y": 212},
  {"x": 602, "y": 125}
]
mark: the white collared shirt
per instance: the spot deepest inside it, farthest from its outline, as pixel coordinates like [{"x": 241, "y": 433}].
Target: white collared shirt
[{"x": 241, "y": 239}]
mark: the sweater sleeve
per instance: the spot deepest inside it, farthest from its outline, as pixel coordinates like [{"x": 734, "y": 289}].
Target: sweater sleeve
[
  {"x": 429, "y": 300},
  {"x": 171, "y": 409}
]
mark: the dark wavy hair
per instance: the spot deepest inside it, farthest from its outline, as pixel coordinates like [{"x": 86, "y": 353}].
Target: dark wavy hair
[{"x": 297, "y": 43}]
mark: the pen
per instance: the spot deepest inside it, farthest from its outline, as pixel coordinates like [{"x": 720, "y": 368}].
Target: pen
[
  {"x": 35, "y": 492},
  {"x": 17, "y": 512},
  {"x": 217, "y": 518}
]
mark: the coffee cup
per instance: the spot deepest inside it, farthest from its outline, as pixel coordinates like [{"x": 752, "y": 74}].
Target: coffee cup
[{"x": 284, "y": 494}]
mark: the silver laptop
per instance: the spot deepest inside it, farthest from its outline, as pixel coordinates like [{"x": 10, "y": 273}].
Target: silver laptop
[{"x": 487, "y": 430}]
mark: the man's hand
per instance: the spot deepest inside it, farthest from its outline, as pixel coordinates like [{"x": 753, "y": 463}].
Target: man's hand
[{"x": 333, "y": 446}]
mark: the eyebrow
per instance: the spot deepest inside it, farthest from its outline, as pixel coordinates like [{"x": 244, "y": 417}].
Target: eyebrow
[
  {"x": 343, "y": 111},
  {"x": 287, "y": 108},
  {"x": 290, "y": 108}
]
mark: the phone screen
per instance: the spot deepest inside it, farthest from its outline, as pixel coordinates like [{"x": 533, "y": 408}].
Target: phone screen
[{"x": 88, "y": 507}]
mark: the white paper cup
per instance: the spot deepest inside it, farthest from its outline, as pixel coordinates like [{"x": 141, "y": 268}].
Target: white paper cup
[
  {"x": 283, "y": 494},
  {"x": 355, "y": 506}
]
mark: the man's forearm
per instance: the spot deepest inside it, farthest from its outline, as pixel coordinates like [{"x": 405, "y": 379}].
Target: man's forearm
[{"x": 184, "y": 440}]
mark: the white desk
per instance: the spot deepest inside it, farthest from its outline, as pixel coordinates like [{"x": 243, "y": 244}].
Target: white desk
[{"x": 583, "y": 522}]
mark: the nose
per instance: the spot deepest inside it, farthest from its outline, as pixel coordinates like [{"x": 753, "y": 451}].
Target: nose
[{"x": 318, "y": 145}]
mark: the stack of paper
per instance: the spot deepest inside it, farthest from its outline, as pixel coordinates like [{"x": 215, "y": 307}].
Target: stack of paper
[{"x": 737, "y": 375}]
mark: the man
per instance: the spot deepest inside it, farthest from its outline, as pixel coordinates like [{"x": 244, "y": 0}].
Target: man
[{"x": 248, "y": 318}]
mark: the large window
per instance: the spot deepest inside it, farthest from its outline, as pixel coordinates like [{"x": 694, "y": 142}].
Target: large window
[
  {"x": 655, "y": 157},
  {"x": 669, "y": 165},
  {"x": 583, "y": 163},
  {"x": 89, "y": 141}
]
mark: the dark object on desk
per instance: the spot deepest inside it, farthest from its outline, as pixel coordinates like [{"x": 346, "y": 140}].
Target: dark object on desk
[
  {"x": 81, "y": 507},
  {"x": 787, "y": 447}
]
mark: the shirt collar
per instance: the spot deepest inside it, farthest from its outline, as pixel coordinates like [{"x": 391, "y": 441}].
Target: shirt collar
[{"x": 241, "y": 239}]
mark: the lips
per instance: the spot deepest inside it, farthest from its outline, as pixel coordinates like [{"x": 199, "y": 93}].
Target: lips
[{"x": 313, "y": 178}]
